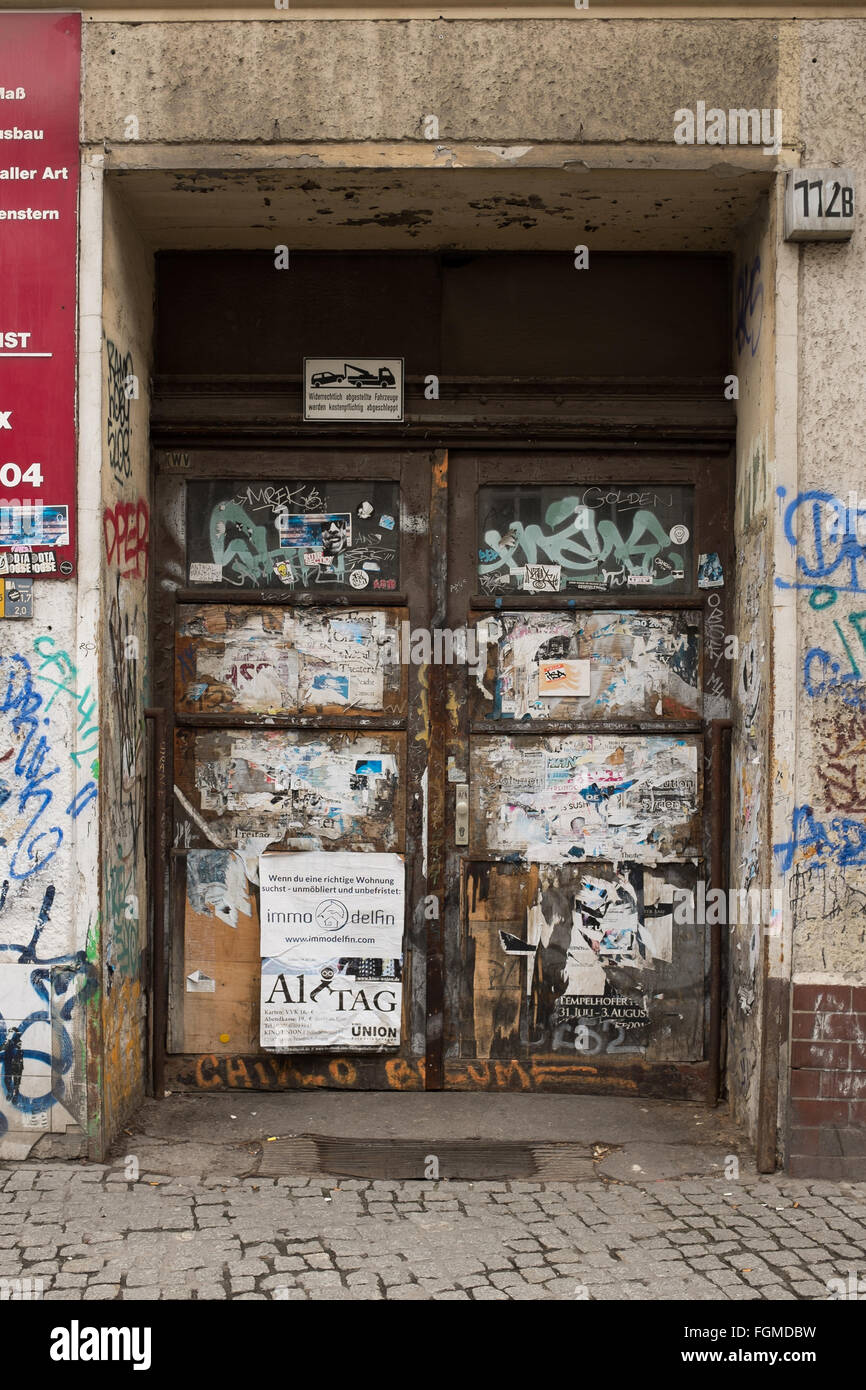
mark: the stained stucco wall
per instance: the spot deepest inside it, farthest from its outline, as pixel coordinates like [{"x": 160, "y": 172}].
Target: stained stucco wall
[
  {"x": 594, "y": 82},
  {"x": 753, "y": 359},
  {"x": 825, "y": 850},
  {"x": 49, "y": 980},
  {"x": 127, "y": 338}
]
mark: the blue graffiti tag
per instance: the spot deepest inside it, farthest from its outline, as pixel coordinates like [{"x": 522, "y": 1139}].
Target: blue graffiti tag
[
  {"x": 842, "y": 844},
  {"x": 28, "y": 786},
  {"x": 830, "y": 553},
  {"x": 59, "y": 983}
]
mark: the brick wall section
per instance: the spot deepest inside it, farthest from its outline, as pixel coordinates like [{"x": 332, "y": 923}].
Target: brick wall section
[{"x": 828, "y": 1082}]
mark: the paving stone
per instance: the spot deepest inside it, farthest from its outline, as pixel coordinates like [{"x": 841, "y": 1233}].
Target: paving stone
[{"x": 445, "y": 1241}]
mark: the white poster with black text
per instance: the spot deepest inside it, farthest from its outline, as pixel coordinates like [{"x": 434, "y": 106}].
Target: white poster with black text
[{"x": 332, "y": 951}]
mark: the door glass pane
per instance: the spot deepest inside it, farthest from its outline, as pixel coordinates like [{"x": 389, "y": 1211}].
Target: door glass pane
[
  {"x": 324, "y": 537},
  {"x": 595, "y": 538}
]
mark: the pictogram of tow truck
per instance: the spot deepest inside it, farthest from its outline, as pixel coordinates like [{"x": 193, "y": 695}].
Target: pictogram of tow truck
[{"x": 354, "y": 376}]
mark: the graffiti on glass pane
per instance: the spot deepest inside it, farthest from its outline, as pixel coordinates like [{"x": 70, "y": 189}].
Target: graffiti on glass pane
[{"x": 550, "y": 539}]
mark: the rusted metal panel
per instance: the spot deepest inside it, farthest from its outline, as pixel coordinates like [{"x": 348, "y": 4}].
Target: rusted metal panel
[
  {"x": 301, "y": 1071},
  {"x": 584, "y": 796},
  {"x": 632, "y": 664},
  {"x": 436, "y": 819},
  {"x": 257, "y": 660},
  {"x": 249, "y": 789},
  {"x": 255, "y": 1072}
]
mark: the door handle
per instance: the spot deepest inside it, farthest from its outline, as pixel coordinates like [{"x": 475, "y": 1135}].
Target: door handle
[{"x": 461, "y": 814}]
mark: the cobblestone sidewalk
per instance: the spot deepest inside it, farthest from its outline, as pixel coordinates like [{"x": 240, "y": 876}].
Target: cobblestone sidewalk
[{"x": 85, "y": 1232}]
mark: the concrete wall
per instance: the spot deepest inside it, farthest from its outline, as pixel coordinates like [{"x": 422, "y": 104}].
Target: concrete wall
[{"x": 594, "y": 82}]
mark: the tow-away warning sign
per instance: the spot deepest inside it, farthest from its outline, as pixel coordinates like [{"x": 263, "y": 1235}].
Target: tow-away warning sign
[{"x": 353, "y": 388}]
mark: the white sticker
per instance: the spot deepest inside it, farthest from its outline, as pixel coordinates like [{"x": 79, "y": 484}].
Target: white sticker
[
  {"x": 200, "y": 983},
  {"x": 202, "y": 573},
  {"x": 359, "y": 579},
  {"x": 541, "y": 579},
  {"x": 679, "y": 534}
]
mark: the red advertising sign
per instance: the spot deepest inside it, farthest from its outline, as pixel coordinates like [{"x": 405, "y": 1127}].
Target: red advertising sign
[{"x": 40, "y": 61}]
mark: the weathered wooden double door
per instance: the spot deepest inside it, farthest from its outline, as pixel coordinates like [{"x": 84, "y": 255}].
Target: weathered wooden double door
[{"x": 495, "y": 669}]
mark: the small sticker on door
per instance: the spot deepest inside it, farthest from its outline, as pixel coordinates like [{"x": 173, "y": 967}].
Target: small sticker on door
[
  {"x": 541, "y": 579},
  {"x": 710, "y": 572},
  {"x": 202, "y": 573},
  {"x": 200, "y": 983},
  {"x": 562, "y": 679}
]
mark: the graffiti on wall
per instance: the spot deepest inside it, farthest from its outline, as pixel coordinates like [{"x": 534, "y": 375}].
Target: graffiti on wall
[
  {"x": 124, "y": 777},
  {"x": 40, "y": 996},
  {"x": 35, "y": 820},
  {"x": 57, "y": 669},
  {"x": 750, "y": 306},
  {"x": 827, "y": 534},
  {"x": 126, "y": 528},
  {"x": 120, "y": 372}
]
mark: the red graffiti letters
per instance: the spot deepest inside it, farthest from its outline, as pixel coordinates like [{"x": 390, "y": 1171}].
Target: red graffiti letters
[{"x": 126, "y": 528}]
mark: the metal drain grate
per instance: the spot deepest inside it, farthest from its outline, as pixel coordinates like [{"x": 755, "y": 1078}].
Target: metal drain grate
[{"x": 469, "y": 1160}]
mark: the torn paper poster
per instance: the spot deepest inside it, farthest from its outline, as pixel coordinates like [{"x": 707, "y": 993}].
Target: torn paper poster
[
  {"x": 586, "y": 795},
  {"x": 640, "y": 665},
  {"x": 271, "y": 661},
  {"x": 315, "y": 906},
  {"x": 598, "y": 938},
  {"x": 627, "y": 1012},
  {"x": 710, "y": 572},
  {"x": 269, "y": 782},
  {"x": 347, "y": 1005},
  {"x": 251, "y": 848},
  {"x": 216, "y": 884}
]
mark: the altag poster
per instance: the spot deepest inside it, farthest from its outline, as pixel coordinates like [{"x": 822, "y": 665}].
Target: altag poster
[{"x": 332, "y": 951}]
